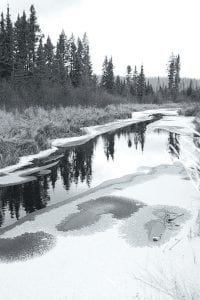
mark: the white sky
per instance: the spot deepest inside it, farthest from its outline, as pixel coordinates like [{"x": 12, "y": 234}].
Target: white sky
[{"x": 132, "y": 31}]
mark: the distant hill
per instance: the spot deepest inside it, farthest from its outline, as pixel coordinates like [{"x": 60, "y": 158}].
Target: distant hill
[{"x": 163, "y": 81}]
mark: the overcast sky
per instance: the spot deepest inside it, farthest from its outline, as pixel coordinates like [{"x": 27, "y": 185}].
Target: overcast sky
[{"x": 134, "y": 32}]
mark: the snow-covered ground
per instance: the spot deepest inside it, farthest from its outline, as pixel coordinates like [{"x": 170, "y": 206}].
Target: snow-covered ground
[{"x": 134, "y": 237}]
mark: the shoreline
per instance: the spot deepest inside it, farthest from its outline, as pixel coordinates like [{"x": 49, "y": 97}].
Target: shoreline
[
  {"x": 90, "y": 132},
  {"x": 18, "y": 151}
]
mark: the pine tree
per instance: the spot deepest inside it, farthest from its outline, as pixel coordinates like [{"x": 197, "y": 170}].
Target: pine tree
[
  {"x": 9, "y": 44},
  {"x": 111, "y": 79},
  {"x": 33, "y": 38},
  {"x": 61, "y": 59},
  {"x": 49, "y": 57},
  {"x": 78, "y": 65},
  {"x": 171, "y": 74},
  {"x": 40, "y": 67},
  {"x": 118, "y": 85},
  {"x": 141, "y": 84},
  {"x": 21, "y": 48},
  {"x": 72, "y": 59},
  {"x": 177, "y": 75},
  {"x": 174, "y": 75},
  {"x": 87, "y": 65},
  {"x": 108, "y": 80},
  {"x": 128, "y": 80},
  {"x": 3, "y": 69},
  {"x": 135, "y": 82},
  {"x": 189, "y": 90},
  {"x": 104, "y": 72},
  {"x": 149, "y": 89}
]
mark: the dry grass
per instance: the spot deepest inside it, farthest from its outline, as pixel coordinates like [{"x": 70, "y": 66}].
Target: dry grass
[
  {"x": 170, "y": 282},
  {"x": 29, "y": 131}
]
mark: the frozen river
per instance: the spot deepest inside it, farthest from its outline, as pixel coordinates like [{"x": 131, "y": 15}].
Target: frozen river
[{"x": 102, "y": 219}]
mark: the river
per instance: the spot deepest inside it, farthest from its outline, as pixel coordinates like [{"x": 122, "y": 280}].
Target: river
[
  {"x": 115, "y": 217},
  {"x": 105, "y": 157}
]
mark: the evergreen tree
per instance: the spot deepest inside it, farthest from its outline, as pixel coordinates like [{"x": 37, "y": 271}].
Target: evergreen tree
[
  {"x": 171, "y": 72},
  {"x": 104, "y": 73},
  {"x": 174, "y": 75},
  {"x": 189, "y": 90},
  {"x": 72, "y": 60},
  {"x": 177, "y": 75},
  {"x": 3, "y": 67},
  {"x": 49, "y": 57},
  {"x": 128, "y": 80},
  {"x": 61, "y": 59},
  {"x": 141, "y": 84},
  {"x": 149, "y": 89},
  {"x": 135, "y": 82},
  {"x": 40, "y": 68},
  {"x": 9, "y": 44},
  {"x": 78, "y": 66},
  {"x": 108, "y": 80},
  {"x": 33, "y": 38},
  {"x": 21, "y": 48},
  {"x": 87, "y": 65},
  {"x": 118, "y": 85}
]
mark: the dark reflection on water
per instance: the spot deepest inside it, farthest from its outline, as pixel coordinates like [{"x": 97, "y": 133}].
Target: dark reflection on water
[
  {"x": 74, "y": 172},
  {"x": 174, "y": 144}
]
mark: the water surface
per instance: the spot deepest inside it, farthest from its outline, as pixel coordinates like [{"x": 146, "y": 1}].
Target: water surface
[{"x": 76, "y": 169}]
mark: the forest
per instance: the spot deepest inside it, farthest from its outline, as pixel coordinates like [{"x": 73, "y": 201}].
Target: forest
[
  {"x": 34, "y": 72},
  {"x": 51, "y": 91}
]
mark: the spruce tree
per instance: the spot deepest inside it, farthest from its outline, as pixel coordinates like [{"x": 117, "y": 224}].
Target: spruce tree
[
  {"x": 171, "y": 74},
  {"x": 135, "y": 82},
  {"x": 72, "y": 59},
  {"x": 128, "y": 80},
  {"x": 40, "y": 67},
  {"x": 61, "y": 59},
  {"x": 21, "y": 63},
  {"x": 87, "y": 65},
  {"x": 78, "y": 65},
  {"x": 189, "y": 90},
  {"x": 118, "y": 85},
  {"x": 141, "y": 84},
  {"x": 108, "y": 80},
  {"x": 111, "y": 79},
  {"x": 104, "y": 72},
  {"x": 49, "y": 57},
  {"x": 149, "y": 89},
  {"x": 174, "y": 76},
  {"x": 9, "y": 44},
  {"x": 177, "y": 75},
  {"x": 3, "y": 67},
  {"x": 33, "y": 38}
]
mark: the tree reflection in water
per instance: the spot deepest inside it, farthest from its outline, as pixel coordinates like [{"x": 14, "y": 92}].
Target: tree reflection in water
[
  {"x": 74, "y": 167},
  {"x": 174, "y": 144}
]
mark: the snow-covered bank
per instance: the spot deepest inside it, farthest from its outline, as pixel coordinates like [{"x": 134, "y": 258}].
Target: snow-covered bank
[
  {"x": 103, "y": 259},
  {"x": 135, "y": 236},
  {"x": 8, "y": 177},
  {"x": 91, "y": 132}
]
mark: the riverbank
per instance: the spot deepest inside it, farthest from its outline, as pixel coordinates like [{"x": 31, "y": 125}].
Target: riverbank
[
  {"x": 64, "y": 234},
  {"x": 148, "y": 211},
  {"x": 31, "y": 131},
  {"x": 193, "y": 111}
]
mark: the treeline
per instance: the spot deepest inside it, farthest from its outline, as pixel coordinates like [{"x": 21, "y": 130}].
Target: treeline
[
  {"x": 134, "y": 85},
  {"x": 35, "y": 72}
]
